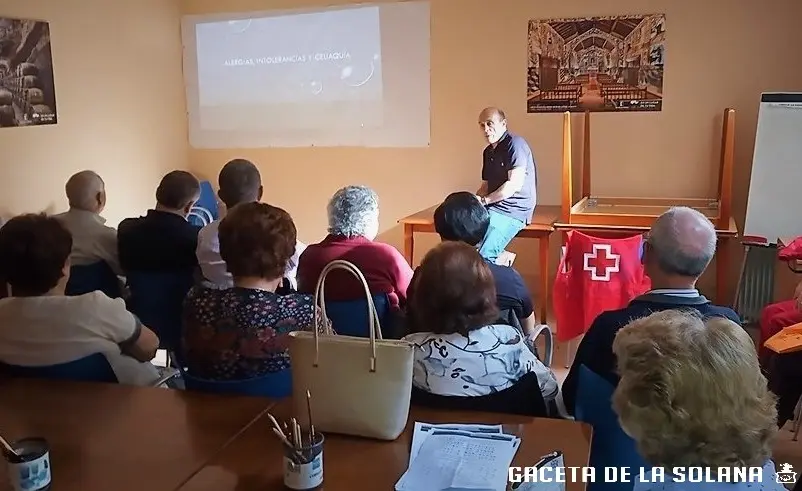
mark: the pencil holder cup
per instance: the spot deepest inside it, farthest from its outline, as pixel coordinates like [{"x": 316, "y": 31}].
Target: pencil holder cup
[
  {"x": 31, "y": 470},
  {"x": 303, "y": 467}
]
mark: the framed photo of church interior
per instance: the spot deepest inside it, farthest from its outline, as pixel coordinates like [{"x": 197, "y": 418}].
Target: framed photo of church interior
[
  {"x": 608, "y": 213},
  {"x": 596, "y": 64},
  {"x": 27, "y": 88}
]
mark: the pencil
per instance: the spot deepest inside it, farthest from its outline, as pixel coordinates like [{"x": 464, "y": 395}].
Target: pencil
[
  {"x": 273, "y": 420},
  {"x": 299, "y": 458},
  {"x": 296, "y": 434},
  {"x": 311, "y": 424}
]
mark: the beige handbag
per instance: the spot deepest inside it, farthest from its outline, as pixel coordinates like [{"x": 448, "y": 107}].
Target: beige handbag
[{"x": 358, "y": 386}]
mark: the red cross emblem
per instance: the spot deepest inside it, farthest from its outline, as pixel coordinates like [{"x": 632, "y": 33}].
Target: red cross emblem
[{"x": 601, "y": 262}]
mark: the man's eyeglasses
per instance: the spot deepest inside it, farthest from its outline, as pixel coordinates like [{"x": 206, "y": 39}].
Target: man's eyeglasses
[{"x": 645, "y": 241}]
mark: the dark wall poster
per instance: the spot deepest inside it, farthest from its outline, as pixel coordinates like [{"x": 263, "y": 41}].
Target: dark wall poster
[{"x": 27, "y": 91}]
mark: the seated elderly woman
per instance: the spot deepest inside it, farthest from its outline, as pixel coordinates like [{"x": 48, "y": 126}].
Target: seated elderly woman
[
  {"x": 40, "y": 326},
  {"x": 241, "y": 332},
  {"x": 692, "y": 395},
  {"x": 353, "y": 225},
  {"x": 452, "y": 314}
]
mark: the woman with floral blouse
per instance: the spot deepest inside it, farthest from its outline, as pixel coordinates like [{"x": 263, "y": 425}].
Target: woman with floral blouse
[{"x": 242, "y": 332}]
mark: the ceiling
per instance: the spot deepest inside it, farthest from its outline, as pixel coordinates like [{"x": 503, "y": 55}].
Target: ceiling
[{"x": 620, "y": 28}]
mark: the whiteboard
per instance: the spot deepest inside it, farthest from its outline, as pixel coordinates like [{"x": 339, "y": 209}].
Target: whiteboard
[{"x": 774, "y": 207}]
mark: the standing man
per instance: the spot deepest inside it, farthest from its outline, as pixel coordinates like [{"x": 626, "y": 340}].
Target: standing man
[{"x": 509, "y": 181}]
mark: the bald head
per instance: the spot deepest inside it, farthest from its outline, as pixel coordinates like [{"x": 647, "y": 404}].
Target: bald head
[
  {"x": 493, "y": 123},
  {"x": 683, "y": 242},
  {"x": 492, "y": 113},
  {"x": 86, "y": 191}
]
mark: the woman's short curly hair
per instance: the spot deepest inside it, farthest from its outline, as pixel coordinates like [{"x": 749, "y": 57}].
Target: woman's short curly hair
[
  {"x": 257, "y": 240},
  {"x": 33, "y": 252},
  {"x": 352, "y": 210},
  {"x": 454, "y": 291},
  {"x": 691, "y": 392}
]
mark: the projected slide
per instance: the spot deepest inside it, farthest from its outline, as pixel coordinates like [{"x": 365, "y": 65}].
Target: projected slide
[
  {"x": 298, "y": 71},
  {"x": 355, "y": 76}
]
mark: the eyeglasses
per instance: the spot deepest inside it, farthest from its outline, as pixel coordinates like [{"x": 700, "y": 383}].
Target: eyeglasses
[{"x": 645, "y": 242}]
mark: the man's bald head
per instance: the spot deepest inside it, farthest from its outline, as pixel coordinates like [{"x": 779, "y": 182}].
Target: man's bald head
[
  {"x": 493, "y": 123},
  {"x": 86, "y": 191},
  {"x": 492, "y": 113},
  {"x": 683, "y": 242}
]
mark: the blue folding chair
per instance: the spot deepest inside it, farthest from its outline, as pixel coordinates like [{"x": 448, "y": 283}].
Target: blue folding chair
[
  {"x": 92, "y": 368},
  {"x": 93, "y": 277},
  {"x": 611, "y": 447},
  {"x": 157, "y": 299},
  {"x": 523, "y": 397},
  {"x": 274, "y": 385},
  {"x": 206, "y": 209},
  {"x": 350, "y": 317}
]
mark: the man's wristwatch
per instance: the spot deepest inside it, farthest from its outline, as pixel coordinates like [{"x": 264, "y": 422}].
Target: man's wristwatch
[{"x": 483, "y": 200}]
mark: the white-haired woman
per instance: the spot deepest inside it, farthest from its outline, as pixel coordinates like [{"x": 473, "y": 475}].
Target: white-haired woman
[
  {"x": 692, "y": 395},
  {"x": 353, "y": 225}
]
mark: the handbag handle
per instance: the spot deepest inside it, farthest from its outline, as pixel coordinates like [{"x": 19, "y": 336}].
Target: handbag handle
[{"x": 320, "y": 302}]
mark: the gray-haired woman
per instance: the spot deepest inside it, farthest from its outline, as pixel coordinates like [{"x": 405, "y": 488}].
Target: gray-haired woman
[{"x": 353, "y": 225}]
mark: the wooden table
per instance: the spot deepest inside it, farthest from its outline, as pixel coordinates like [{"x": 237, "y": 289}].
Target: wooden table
[
  {"x": 112, "y": 437},
  {"x": 254, "y": 461},
  {"x": 540, "y": 228},
  {"x": 723, "y": 254}
]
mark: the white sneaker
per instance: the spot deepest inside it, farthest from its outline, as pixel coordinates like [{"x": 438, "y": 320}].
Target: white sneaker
[{"x": 506, "y": 258}]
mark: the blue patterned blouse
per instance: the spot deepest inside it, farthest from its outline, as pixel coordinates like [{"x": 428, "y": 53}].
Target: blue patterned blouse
[{"x": 241, "y": 333}]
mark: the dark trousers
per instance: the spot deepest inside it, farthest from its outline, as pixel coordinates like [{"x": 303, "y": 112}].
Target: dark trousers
[{"x": 785, "y": 381}]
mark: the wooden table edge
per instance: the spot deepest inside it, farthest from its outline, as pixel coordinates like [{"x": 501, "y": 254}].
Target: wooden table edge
[
  {"x": 209, "y": 460},
  {"x": 540, "y": 231},
  {"x": 729, "y": 233}
]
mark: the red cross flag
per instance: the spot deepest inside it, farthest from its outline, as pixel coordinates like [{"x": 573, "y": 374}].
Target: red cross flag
[{"x": 595, "y": 274}]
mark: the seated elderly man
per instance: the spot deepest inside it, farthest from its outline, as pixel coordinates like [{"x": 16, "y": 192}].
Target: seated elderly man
[
  {"x": 163, "y": 241},
  {"x": 92, "y": 240},
  {"x": 240, "y": 182},
  {"x": 353, "y": 225},
  {"x": 678, "y": 249}
]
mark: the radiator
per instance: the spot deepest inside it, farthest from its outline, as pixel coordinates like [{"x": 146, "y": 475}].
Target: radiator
[{"x": 756, "y": 284}]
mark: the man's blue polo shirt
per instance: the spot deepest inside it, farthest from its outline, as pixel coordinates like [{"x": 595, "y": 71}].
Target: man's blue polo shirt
[{"x": 511, "y": 152}]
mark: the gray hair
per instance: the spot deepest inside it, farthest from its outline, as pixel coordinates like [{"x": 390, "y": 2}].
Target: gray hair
[
  {"x": 351, "y": 211},
  {"x": 683, "y": 241}
]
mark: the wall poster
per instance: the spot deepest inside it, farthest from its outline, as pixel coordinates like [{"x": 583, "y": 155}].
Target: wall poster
[
  {"x": 27, "y": 91},
  {"x": 596, "y": 64}
]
